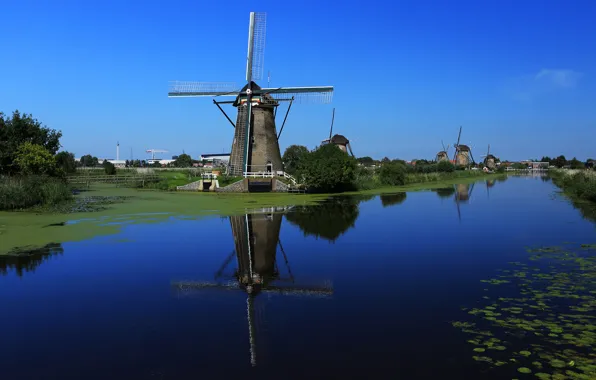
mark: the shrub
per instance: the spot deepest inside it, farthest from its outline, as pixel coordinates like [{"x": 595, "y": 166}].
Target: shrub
[
  {"x": 109, "y": 168},
  {"x": 393, "y": 174},
  {"x": 445, "y": 167},
  {"x": 24, "y": 192},
  {"x": 328, "y": 169}
]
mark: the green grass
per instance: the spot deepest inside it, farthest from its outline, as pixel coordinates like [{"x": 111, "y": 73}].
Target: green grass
[
  {"x": 579, "y": 184},
  {"x": 169, "y": 180},
  {"x": 141, "y": 206}
]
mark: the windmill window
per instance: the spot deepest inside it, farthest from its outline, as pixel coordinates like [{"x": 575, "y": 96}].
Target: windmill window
[{"x": 269, "y": 167}]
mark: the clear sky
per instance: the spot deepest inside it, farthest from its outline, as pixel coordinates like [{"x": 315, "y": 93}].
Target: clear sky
[{"x": 520, "y": 75}]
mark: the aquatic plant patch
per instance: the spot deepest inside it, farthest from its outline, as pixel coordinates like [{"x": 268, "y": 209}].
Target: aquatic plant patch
[{"x": 539, "y": 316}]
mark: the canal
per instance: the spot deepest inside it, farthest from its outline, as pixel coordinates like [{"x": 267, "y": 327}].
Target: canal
[{"x": 491, "y": 280}]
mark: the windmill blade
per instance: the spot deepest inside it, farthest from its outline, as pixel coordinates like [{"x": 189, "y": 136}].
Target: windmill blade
[
  {"x": 350, "y": 149},
  {"x": 443, "y": 146},
  {"x": 332, "y": 120},
  {"x": 200, "y": 286},
  {"x": 255, "y": 58},
  {"x": 187, "y": 89},
  {"x": 320, "y": 94}
]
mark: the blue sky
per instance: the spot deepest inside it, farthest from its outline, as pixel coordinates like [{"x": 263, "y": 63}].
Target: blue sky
[{"x": 519, "y": 75}]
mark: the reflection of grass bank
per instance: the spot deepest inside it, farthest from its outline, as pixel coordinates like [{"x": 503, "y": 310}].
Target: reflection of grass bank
[
  {"x": 539, "y": 317},
  {"x": 133, "y": 206},
  {"x": 428, "y": 181}
]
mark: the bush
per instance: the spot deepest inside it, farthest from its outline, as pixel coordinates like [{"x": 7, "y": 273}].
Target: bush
[
  {"x": 109, "y": 168},
  {"x": 392, "y": 174},
  {"x": 328, "y": 169},
  {"x": 24, "y": 192},
  {"x": 445, "y": 167}
]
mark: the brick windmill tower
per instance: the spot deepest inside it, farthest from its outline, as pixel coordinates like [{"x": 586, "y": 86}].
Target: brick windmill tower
[{"x": 255, "y": 147}]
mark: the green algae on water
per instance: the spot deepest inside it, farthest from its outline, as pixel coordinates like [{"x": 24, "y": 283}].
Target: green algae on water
[{"x": 547, "y": 314}]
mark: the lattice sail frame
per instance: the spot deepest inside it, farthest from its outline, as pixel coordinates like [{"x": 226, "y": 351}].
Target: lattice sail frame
[
  {"x": 189, "y": 88},
  {"x": 256, "y": 48}
]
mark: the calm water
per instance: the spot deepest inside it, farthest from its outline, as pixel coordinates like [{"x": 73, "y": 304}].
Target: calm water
[{"x": 355, "y": 288}]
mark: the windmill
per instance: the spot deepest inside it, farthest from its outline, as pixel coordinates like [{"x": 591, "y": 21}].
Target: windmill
[
  {"x": 489, "y": 160},
  {"x": 340, "y": 140},
  {"x": 256, "y": 239},
  {"x": 255, "y": 146},
  {"x": 443, "y": 155},
  {"x": 463, "y": 153}
]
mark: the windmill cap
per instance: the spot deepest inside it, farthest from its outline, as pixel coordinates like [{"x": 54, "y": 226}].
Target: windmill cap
[{"x": 339, "y": 139}]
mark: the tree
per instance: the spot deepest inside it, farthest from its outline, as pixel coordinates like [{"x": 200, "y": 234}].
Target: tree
[
  {"x": 366, "y": 161},
  {"x": 109, "y": 168},
  {"x": 328, "y": 169},
  {"x": 559, "y": 161},
  {"x": 19, "y": 129},
  {"x": 183, "y": 161},
  {"x": 33, "y": 159},
  {"x": 445, "y": 166},
  {"x": 89, "y": 161},
  {"x": 576, "y": 164},
  {"x": 546, "y": 159},
  {"x": 65, "y": 162},
  {"x": 392, "y": 174},
  {"x": 294, "y": 157},
  {"x": 127, "y": 163}
]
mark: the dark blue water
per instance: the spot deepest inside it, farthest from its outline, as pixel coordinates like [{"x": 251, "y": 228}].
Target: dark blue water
[{"x": 359, "y": 287}]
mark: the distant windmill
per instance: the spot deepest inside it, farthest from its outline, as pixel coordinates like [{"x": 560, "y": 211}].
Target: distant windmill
[
  {"x": 340, "y": 140},
  {"x": 255, "y": 146},
  {"x": 443, "y": 155},
  {"x": 463, "y": 153},
  {"x": 489, "y": 160}
]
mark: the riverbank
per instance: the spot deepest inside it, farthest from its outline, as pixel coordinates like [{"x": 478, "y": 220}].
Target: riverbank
[
  {"x": 124, "y": 206},
  {"x": 580, "y": 187},
  {"x": 429, "y": 181}
]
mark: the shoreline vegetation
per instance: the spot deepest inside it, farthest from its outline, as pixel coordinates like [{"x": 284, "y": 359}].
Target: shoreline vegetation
[{"x": 579, "y": 186}]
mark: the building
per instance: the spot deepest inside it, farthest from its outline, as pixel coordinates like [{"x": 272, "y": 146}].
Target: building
[{"x": 216, "y": 159}]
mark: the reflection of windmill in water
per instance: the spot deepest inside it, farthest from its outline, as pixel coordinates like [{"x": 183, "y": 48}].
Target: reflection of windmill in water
[
  {"x": 340, "y": 140},
  {"x": 463, "y": 192},
  {"x": 463, "y": 153},
  {"x": 256, "y": 238},
  {"x": 444, "y": 154}
]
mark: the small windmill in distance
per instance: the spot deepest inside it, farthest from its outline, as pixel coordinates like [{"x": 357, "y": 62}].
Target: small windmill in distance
[
  {"x": 489, "y": 160},
  {"x": 340, "y": 140},
  {"x": 463, "y": 153},
  {"x": 443, "y": 155}
]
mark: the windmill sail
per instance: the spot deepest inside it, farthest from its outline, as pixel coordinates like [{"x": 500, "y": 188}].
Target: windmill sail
[
  {"x": 255, "y": 59},
  {"x": 319, "y": 94},
  {"x": 185, "y": 88}
]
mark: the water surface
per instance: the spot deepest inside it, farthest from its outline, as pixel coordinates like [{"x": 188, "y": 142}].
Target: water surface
[{"x": 357, "y": 287}]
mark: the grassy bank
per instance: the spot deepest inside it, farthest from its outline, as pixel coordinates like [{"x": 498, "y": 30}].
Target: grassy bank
[
  {"x": 35, "y": 229},
  {"x": 422, "y": 181},
  {"x": 579, "y": 184},
  {"x": 18, "y": 193}
]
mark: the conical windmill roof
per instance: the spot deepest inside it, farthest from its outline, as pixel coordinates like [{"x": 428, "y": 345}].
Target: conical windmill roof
[
  {"x": 463, "y": 148},
  {"x": 339, "y": 139}
]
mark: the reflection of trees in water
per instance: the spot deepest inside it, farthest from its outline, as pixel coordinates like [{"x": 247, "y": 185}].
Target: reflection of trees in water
[
  {"x": 328, "y": 220},
  {"x": 393, "y": 199},
  {"x": 27, "y": 260},
  {"x": 445, "y": 192}
]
